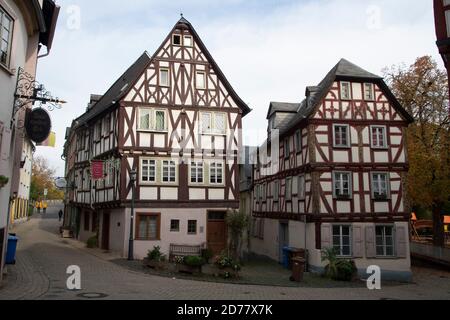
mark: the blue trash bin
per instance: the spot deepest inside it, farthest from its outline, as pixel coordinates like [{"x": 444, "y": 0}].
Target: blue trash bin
[
  {"x": 11, "y": 249},
  {"x": 286, "y": 253}
]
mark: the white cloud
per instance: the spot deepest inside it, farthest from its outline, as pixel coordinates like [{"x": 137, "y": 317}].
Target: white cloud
[{"x": 268, "y": 52}]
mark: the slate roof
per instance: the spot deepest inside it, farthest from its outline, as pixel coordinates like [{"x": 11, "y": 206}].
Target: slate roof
[
  {"x": 344, "y": 70},
  {"x": 282, "y": 107}
]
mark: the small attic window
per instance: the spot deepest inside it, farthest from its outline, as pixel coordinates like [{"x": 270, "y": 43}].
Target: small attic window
[
  {"x": 176, "y": 40},
  {"x": 187, "y": 41}
]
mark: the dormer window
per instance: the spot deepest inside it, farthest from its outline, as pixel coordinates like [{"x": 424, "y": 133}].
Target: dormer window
[
  {"x": 345, "y": 91},
  {"x": 176, "y": 40},
  {"x": 368, "y": 92}
]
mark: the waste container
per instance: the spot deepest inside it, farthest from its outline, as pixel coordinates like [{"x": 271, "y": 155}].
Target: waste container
[
  {"x": 11, "y": 249},
  {"x": 286, "y": 257},
  {"x": 298, "y": 268}
]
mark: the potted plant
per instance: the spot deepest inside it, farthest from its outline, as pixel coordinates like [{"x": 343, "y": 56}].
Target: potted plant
[
  {"x": 190, "y": 264},
  {"x": 155, "y": 258},
  {"x": 338, "y": 269},
  {"x": 228, "y": 267},
  {"x": 3, "y": 181}
]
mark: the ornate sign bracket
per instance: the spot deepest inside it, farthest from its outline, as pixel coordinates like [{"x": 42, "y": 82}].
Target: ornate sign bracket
[{"x": 29, "y": 91}]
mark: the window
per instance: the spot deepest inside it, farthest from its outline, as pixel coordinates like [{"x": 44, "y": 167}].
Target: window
[
  {"x": 87, "y": 223},
  {"x": 342, "y": 184},
  {"x": 148, "y": 226},
  {"x": 213, "y": 123},
  {"x": 109, "y": 174},
  {"x": 341, "y": 136},
  {"x": 164, "y": 77},
  {"x": 216, "y": 173},
  {"x": 216, "y": 216},
  {"x": 98, "y": 131},
  {"x": 298, "y": 141},
  {"x": 174, "y": 225},
  {"x": 192, "y": 227},
  {"x": 301, "y": 187},
  {"x": 107, "y": 125},
  {"x": 6, "y": 26},
  {"x": 196, "y": 172},
  {"x": 378, "y": 137},
  {"x": 276, "y": 191},
  {"x": 169, "y": 171},
  {"x": 153, "y": 120},
  {"x": 86, "y": 179},
  {"x": 380, "y": 189},
  {"x": 385, "y": 241},
  {"x": 368, "y": 92},
  {"x": 187, "y": 41},
  {"x": 258, "y": 228},
  {"x": 287, "y": 148},
  {"x": 342, "y": 240},
  {"x": 264, "y": 194},
  {"x": 176, "y": 40},
  {"x": 345, "y": 91},
  {"x": 148, "y": 170},
  {"x": 200, "y": 80},
  {"x": 288, "y": 189}
]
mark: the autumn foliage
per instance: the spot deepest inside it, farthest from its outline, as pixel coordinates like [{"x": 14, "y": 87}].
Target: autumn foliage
[{"x": 43, "y": 178}]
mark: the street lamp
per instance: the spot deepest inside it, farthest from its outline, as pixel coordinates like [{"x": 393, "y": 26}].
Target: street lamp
[{"x": 130, "y": 242}]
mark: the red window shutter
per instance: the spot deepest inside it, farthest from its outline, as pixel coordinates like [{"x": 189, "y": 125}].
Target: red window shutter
[
  {"x": 400, "y": 239},
  {"x": 326, "y": 236},
  {"x": 357, "y": 242},
  {"x": 371, "y": 250}
]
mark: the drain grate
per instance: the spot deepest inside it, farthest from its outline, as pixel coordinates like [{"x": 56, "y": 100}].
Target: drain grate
[{"x": 92, "y": 295}]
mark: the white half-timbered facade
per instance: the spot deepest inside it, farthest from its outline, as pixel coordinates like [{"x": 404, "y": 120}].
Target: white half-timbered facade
[
  {"x": 175, "y": 120},
  {"x": 337, "y": 176}
]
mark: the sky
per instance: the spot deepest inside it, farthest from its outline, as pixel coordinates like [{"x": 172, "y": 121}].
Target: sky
[{"x": 269, "y": 50}]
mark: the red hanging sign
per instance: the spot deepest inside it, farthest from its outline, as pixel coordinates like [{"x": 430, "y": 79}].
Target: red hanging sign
[{"x": 97, "y": 170}]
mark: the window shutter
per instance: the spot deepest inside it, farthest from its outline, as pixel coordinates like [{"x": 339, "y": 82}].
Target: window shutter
[
  {"x": 357, "y": 242},
  {"x": 400, "y": 236},
  {"x": 326, "y": 236},
  {"x": 371, "y": 250}
]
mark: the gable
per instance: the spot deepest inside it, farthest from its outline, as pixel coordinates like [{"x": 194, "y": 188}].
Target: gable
[{"x": 195, "y": 80}]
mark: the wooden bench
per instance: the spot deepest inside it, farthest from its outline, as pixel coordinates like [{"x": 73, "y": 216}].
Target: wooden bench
[{"x": 178, "y": 250}]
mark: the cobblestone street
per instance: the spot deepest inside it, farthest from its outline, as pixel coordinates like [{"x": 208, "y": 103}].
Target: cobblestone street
[{"x": 43, "y": 257}]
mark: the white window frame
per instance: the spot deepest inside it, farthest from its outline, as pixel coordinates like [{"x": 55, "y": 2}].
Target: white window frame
[
  {"x": 201, "y": 74},
  {"x": 213, "y": 165},
  {"x": 188, "y": 37},
  {"x": 9, "y": 46},
  {"x": 341, "y": 240},
  {"x": 372, "y": 91},
  {"x": 152, "y": 120},
  {"x": 106, "y": 126},
  {"x": 301, "y": 185},
  {"x": 276, "y": 191},
  {"x": 350, "y": 185},
  {"x": 298, "y": 141},
  {"x": 198, "y": 166},
  {"x": 288, "y": 195},
  {"x": 264, "y": 195},
  {"x": 161, "y": 69},
  {"x": 373, "y": 186},
  {"x": 98, "y": 130},
  {"x": 385, "y": 144},
  {"x": 173, "y": 39},
  {"x": 109, "y": 171},
  {"x": 212, "y": 123},
  {"x": 349, "y": 90},
  {"x": 171, "y": 165},
  {"x": 384, "y": 242},
  {"x": 349, "y": 142},
  {"x": 149, "y": 165}
]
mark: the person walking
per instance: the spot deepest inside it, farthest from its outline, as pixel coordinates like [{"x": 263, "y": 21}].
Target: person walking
[
  {"x": 60, "y": 214},
  {"x": 38, "y": 206},
  {"x": 44, "y": 206}
]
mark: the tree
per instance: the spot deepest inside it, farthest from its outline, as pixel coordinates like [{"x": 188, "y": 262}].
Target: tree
[
  {"x": 237, "y": 222},
  {"x": 422, "y": 89},
  {"x": 43, "y": 178}
]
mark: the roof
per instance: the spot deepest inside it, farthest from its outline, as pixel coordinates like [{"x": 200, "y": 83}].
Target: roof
[
  {"x": 282, "y": 107},
  {"x": 343, "y": 70},
  {"x": 118, "y": 90}
]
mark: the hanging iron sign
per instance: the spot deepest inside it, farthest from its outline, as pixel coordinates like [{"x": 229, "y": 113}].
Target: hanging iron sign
[{"x": 38, "y": 125}]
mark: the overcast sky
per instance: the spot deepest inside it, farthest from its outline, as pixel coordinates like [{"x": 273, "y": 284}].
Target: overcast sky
[{"x": 269, "y": 50}]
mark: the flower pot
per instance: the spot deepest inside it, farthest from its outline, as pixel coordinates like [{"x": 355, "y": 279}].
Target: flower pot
[
  {"x": 183, "y": 268},
  {"x": 154, "y": 264},
  {"x": 229, "y": 272}
]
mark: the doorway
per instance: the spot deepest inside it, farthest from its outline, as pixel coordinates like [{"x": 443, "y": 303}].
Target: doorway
[
  {"x": 283, "y": 239},
  {"x": 216, "y": 236},
  {"x": 105, "y": 231}
]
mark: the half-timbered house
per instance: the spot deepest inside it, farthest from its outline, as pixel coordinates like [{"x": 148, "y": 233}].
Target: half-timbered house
[
  {"x": 174, "y": 119},
  {"x": 337, "y": 176}
]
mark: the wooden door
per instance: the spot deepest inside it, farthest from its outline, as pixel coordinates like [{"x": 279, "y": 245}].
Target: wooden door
[
  {"x": 216, "y": 232},
  {"x": 105, "y": 231}
]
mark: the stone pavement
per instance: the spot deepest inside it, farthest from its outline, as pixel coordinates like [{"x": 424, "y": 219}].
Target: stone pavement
[{"x": 42, "y": 259}]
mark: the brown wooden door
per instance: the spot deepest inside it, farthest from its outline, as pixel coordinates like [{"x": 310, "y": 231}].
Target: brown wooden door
[
  {"x": 217, "y": 232},
  {"x": 105, "y": 231}
]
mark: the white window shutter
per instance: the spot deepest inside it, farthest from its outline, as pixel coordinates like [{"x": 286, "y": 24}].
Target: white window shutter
[
  {"x": 357, "y": 242},
  {"x": 371, "y": 250},
  {"x": 400, "y": 241},
  {"x": 326, "y": 235}
]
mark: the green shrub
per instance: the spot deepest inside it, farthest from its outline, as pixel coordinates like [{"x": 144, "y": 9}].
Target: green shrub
[
  {"x": 346, "y": 270},
  {"x": 224, "y": 261},
  {"x": 156, "y": 254},
  {"x": 92, "y": 242},
  {"x": 207, "y": 254},
  {"x": 194, "y": 261}
]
